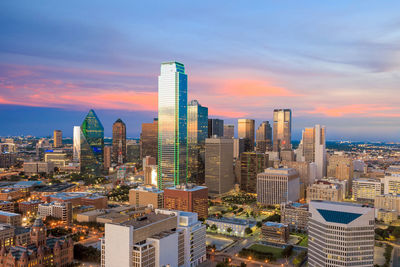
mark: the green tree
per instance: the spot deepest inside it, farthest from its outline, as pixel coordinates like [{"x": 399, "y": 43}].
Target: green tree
[
  {"x": 259, "y": 224},
  {"x": 229, "y": 230},
  {"x": 214, "y": 227},
  {"x": 248, "y": 231},
  {"x": 287, "y": 251}
]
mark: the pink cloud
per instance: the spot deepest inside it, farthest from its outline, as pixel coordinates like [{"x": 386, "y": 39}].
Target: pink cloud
[{"x": 355, "y": 110}]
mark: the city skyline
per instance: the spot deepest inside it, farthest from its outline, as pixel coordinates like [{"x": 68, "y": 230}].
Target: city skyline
[{"x": 341, "y": 79}]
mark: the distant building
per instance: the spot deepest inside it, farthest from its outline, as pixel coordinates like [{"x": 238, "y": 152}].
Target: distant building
[
  {"x": 295, "y": 215},
  {"x": 387, "y": 216},
  {"x": 392, "y": 184},
  {"x": 133, "y": 151},
  {"x": 7, "y": 160},
  {"x": 76, "y": 146},
  {"x": 31, "y": 168},
  {"x": 276, "y": 186},
  {"x": 57, "y": 138},
  {"x": 388, "y": 202},
  {"x": 275, "y": 232},
  {"x": 215, "y": 128},
  {"x": 340, "y": 167},
  {"x": 119, "y": 142},
  {"x": 58, "y": 158},
  {"x": 219, "y": 177},
  {"x": 60, "y": 210},
  {"x": 107, "y": 157},
  {"x": 251, "y": 164},
  {"x": 366, "y": 189},
  {"x": 264, "y": 137},
  {"x": 324, "y": 190},
  {"x": 340, "y": 234},
  {"x": 187, "y": 197},
  {"x": 238, "y": 147},
  {"x": 229, "y": 131},
  {"x": 238, "y": 226},
  {"x": 282, "y": 134},
  {"x": 7, "y": 206},
  {"x": 146, "y": 195},
  {"x": 77, "y": 199},
  {"x": 246, "y": 131},
  {"x": 28, "y": 207},
  {"x": 11, "y": 218},
  {"x": 148, "y": 139}
]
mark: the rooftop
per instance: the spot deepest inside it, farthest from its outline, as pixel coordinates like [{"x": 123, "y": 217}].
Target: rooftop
[
  {"x": 275, "y": 224},
  {"x": 230, "y": 220},
  {"x": 6, "y": 213},
  {"x": 187, "y": 187},
  {"x": 146, "y": 220}
]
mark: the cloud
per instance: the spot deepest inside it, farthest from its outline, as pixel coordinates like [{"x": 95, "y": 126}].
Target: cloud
[{"x": 353, "y": 111}]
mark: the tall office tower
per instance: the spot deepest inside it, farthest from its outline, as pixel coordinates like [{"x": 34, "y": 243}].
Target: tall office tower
[
  {"x": 229, "y": 131},
  {"x": 246, "y": 131},
  {"x": 187, "y": 197},
  {"x": 219, "y": 165},
  {"x": 161, "y": 238},
  {"x": 264, "y": 137},
  {"x": 282, "y": 130},
  {"x": 251, "y": 164},
  {"x": 312, "y": 148},
  {"x": 277, "y": 186},
  {"x": 238, "y": 147},
  {"x": 107, "y": 157},
  {"x": 340, "y": 167},
  {"x": 57, "y": 139},
  {"x": 197, "y": 125},
  {"x": 76, "y": 147},
  {"x": 133, "y": 151},
  {"x": 92, "y": 144},
  {"x": 119, "y": 142},
  {"x": 172, "y": 125},
  {"x": 148, "y": 139},
  {"x": 340, "y": 234},
  {"x": 215, "y": 127}
]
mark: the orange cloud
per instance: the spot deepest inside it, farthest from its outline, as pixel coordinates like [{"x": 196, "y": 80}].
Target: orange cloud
[
  {"x": 249, "y": 88},
  {"x": 360, "y": 110}
]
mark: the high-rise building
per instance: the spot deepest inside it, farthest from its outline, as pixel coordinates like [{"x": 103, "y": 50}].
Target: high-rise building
[
  {"x": 251, "y": 164},
  {"x": 366, "y": 189},
  {"x": 340, "y": 167},
  {"x": 187, "y": 197},
  {"x": 146, "y": 195},
  {"x": 219, "y": 175},
  {"x": 246, "y": 131},
  {"x": 172, "y": 125},
  {"x": 119, "y": 142},
  {"x": 107, "y": 157},
  {"x": 238, "y": 147},
  {"x": 277, "y": 186},
  {"x": 264, "y": 137},
  {"x": 215, "y": 128},
  {"x": 148, "y": 139},
  {"x": 161, "y": 238},
  {"x": 57, "y": 138},
  {"x": 340, "y": 234},
  {"x": 312, "y": 148},
  {"x": 76, "y": 149},
  {"x": 133, "y": 151},
  {"x": 197, "y": 125},
  {"x": 229, "y": 131},
  {"x": 92, "y": 144},
  {"x": 282, "y": 129}
]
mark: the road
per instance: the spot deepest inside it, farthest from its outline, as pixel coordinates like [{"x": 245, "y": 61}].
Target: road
[{"x": 396, "y": 256}]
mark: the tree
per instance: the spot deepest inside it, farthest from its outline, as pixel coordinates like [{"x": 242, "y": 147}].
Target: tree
[
  {"x": 214, "y": 227},
  {"x": 248, "y": 231},
  {"x": 242, "y": 264},
  {"x": 287, "y": 251},
  {"x": 396, "y": 232},
  {"x": 259, "y": 224},
  {"x": 229, "y": 230}
]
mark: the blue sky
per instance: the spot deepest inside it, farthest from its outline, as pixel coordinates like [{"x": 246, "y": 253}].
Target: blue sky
[{"x": 334, "y": 63}]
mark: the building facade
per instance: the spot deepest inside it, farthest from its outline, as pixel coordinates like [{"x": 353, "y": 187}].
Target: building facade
[
  {"x": 282, "y": 135},
  {"x": 229, "y": 131},
  {"x": 366, "y": 189},
  {"x": 295, "y": 215},
  {"x": 275, "y": 232},
  {"x": 215, "y": 128},
  {"x": 264, "y": 137},
  {"x": 119, "y": 142},
  {"x": 246, "y": 131},
  {"x": 148, "y": 139},
  {"x": 324, "y": 190},
  {"x": 251, "y": 164},
  {"x": 146, "y": 195},
  {"x": 57, "y": 138}
]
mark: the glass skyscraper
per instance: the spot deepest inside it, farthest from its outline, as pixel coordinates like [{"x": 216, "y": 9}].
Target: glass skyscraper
[
  {"x": 197, "y": 125},
  {"x": 92, "y": 144},
  {"x": 172, "y": 125},
  {"x": 119, "y": 142},
  {"x": 282, "y": 130}
]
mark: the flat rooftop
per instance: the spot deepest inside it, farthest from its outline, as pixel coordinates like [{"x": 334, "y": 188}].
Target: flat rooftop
[{"x": 146, "y": 220}]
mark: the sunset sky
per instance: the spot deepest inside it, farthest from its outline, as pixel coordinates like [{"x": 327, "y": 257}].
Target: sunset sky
[{"x": 334, "y": 63}]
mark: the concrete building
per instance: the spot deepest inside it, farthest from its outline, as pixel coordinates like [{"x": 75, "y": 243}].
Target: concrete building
[
  {"x": 219, "y": 176},
  {"x": 264, "y": 137},
  {"x": 366, "y": 189},
  {"x": 246, "y": 132},
  {"x": 275, "y": 232},
  {"x": 31, "y": 168},
  {"x": 11, "y": 218},
  {"x": 276, "y": 186},
  {"x": 392, "y": 184},
  {"x": 76, "y": 146},
  {"x": 386, "y": 216},
  {"x": 388, "y": 202},
  {"x": 146, "y": 195},
  {"x": 340, "y": 167},
  {"x": 340, "y": 234},
  {"x": 77, "y": 199},
  {"x": 238, "y": 226},
  {"x": 163, "y": 238},
  {"x": 229, "y": 131},
  {"x": 307, "y": 172},
  {"x": 60, "y": 210},
  {"x": 282, "y": 135},
  {"x": 58, "y": 158},
  {"x": 57, "y": 138},
  {"x": 324, "y": 190},
  {"x": 251, "y": 164},
  {"x": 295, "y": 215},
  {"x": 187, "y": 197}
]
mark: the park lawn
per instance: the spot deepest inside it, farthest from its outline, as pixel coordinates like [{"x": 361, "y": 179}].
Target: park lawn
[
  {"x": 304, "y": 242},
  {"x": 266, "y": 249}
]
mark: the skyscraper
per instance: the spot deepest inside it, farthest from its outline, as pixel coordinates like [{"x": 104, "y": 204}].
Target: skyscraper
[
  {"x": 282, "y": 129},
  {"x": 92, "y": 144},
  {"x": 197, "y": 125},
  {"x": 107, "y": 157},
  {"x": 119, "y": 142},
  {"x": 251, "y": 164},
  {"x": 246, "y": 131},
  {"x": 215, "y": 127},
  {"x": 148, "y": 139},
  {"x": 172, "y": 125},
  {"x": 264, "y": 137},
  {"x": 229, "y": 131},
  {"x": 57, "y": 139},
  {"x": 312, "y": 149},
  {"x": 340, "y": 234},
  {"x": 77, "y": 144},
  {"x": 219, "y": 165}
]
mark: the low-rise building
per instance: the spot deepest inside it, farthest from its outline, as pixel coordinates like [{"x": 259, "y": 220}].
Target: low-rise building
[
  {"x": 78, "y": 199},
  {"x": 236, "y": 226},
  {"x": 387, "y": 216},
  {"x": 11, "y": 218},
  {"x": 366, "y": 189},
  {"x": 392, "y": 184},
  {"x": 60, "y": 210},
  {"x": 31, "y": 168},
  {"x": 388, "y": 202},
  {"x": 275, "y": 232},
  {"x": 29, "y": 207},
  {"x": 146, "y": 195},
  {"x": 324, "y": 190},
  {"x": 7, "y": 206},
  {"x": 295, "y": 215}
]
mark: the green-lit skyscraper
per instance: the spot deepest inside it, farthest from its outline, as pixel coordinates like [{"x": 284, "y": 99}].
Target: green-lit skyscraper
[
  {"x": 172, "y": 125},
  {"x": 197, "y": 126},
  {"x": 92, "y": 144}
]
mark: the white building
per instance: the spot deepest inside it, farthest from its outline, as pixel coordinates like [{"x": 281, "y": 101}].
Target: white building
[
  {"x": 392, "y": 184},
  {"x": 238, "y": 226},
  {"x": 162, "y": 238},
  {"x": 366, "y": 189},
  {"x": 77, "y": 143},
  {"x": 276, "y": 186},
  {"x": 60, "y": 210},
  {"x": 340, "y": 234}
]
